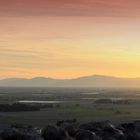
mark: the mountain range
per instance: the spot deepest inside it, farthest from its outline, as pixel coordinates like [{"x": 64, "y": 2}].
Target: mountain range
[{"x": 87, "y": 81}]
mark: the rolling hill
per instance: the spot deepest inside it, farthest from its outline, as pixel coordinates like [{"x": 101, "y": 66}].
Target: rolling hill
[{"x": 88, "y": 81}]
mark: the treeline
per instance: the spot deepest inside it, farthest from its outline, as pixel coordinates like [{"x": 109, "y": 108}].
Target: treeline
[
  {"x": 18, "y": 107},
  {"x": 110, "y": 101}
]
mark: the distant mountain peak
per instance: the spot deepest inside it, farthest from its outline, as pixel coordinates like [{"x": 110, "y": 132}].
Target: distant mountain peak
[
  {"x": 86, "y": 81},
  {"x": 41, "y": 78}
]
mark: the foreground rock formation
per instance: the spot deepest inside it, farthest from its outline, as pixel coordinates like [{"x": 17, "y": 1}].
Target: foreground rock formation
[{"x": 72, "y": 130}]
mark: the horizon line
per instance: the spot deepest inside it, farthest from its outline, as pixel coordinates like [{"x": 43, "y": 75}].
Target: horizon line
[{"x": 49, "y": 77}]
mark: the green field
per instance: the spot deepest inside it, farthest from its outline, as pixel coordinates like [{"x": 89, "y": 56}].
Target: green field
[{"x": 78, "y": 103}]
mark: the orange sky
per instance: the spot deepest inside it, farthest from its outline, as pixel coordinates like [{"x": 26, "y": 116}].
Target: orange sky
[{"x": 69, "y": 38}]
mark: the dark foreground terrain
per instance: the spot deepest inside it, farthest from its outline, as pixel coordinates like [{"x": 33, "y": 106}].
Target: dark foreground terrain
[
  {"x": 72, "y": 130},
  {"x": 39, "y": 107}
]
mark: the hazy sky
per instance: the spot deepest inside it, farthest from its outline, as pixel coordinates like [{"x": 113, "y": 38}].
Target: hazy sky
[{"x": 69, "y": 38}]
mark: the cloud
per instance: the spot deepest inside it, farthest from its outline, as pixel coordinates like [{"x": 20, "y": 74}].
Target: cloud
[
  {"x": 16, "y": 52},
  {"x": 69, "y": 8},
  {"x": 33, "y": 58}
]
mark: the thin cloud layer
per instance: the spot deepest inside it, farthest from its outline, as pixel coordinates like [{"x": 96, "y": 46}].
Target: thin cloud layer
[{"x": 69, "y": 8}]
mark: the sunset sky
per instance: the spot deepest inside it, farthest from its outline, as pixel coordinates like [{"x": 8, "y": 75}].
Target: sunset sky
[{"x": 69, "y": 38}]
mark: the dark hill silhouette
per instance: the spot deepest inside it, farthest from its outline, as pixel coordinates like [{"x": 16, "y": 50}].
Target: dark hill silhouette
[{"x": 88, "y": 81}]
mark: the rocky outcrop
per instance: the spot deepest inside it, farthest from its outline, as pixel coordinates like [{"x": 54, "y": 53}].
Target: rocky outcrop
[{"x": 72, "y": 130}]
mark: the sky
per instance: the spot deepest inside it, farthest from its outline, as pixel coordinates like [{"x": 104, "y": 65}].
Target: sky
[{"x": 69, "y": 38}]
